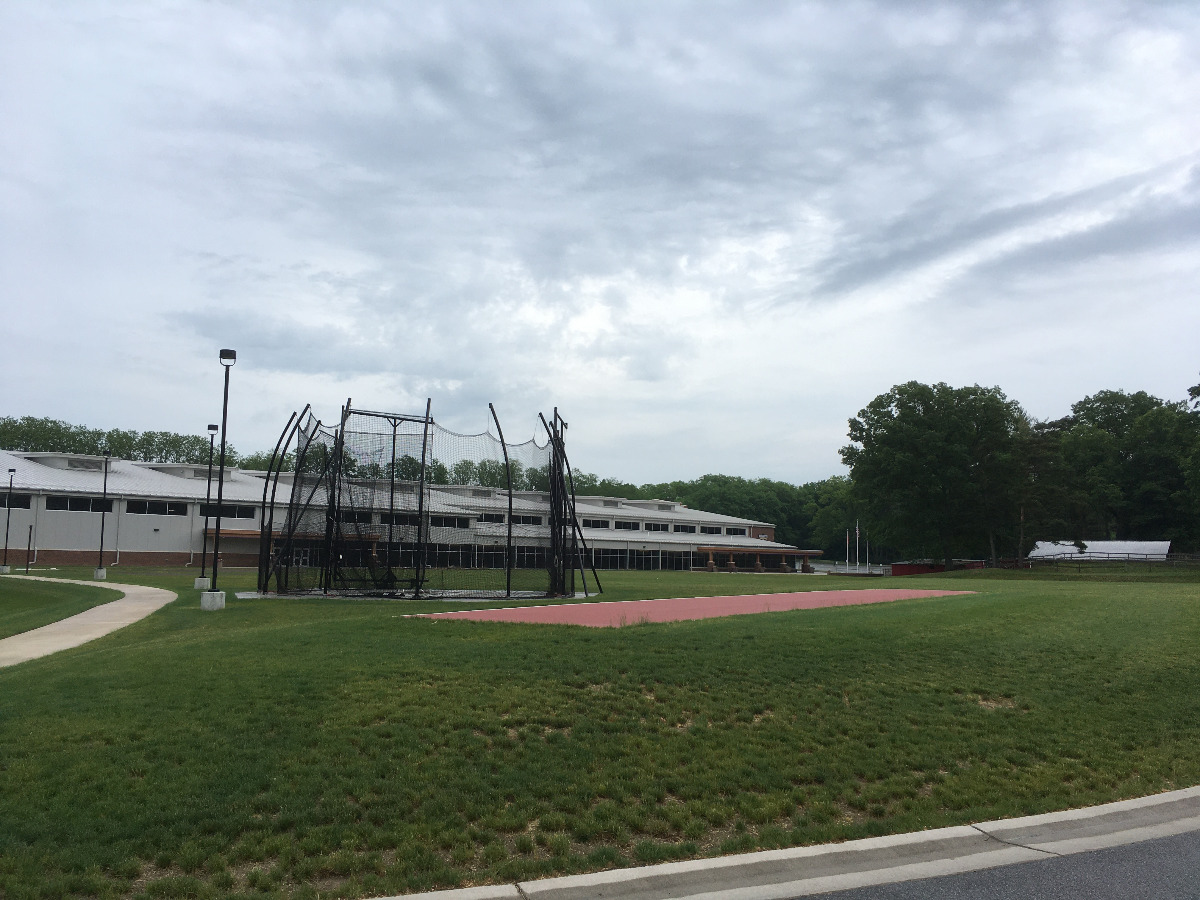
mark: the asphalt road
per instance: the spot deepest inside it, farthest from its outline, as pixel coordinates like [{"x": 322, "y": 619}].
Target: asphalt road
[{"x": 1161, "y": 869}]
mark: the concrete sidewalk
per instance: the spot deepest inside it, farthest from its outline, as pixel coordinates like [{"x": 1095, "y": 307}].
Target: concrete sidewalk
[
  {"x": 802, "y": 871},
  {"x": 136, "y": 603}
]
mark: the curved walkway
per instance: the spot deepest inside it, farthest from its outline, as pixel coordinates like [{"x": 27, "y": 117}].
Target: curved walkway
[
  {"x": 137, "y": 603},
  {"x": 803, "y": 871}
]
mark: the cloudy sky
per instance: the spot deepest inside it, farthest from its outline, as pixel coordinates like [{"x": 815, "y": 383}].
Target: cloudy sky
[{"x": 708, "y": 232}]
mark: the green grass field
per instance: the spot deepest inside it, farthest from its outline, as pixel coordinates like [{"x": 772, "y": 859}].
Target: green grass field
[
  {"x": 330, "y": 747},
  {"x": 25, "y": 605}
]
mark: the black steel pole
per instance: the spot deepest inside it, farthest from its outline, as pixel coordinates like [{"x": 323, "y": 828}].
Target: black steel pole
[
  {"x": 508, "y": 548},
  {"x": 422, "y": 530},
  {"x": 212, "y": 437},
  {"x": 8, "y": 514},
  {"x": 392, "y": 504},
  {"x": 103, "y": 511},
  {"x": 221, "y": 470}
]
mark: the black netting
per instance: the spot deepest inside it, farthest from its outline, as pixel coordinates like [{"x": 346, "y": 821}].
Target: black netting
[{"x": 394, "y": 505}]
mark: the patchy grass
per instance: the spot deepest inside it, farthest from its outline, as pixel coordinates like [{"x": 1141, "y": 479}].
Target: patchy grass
[
  {"x": 295, "y": 747},
  {"x": 26, "y": 605}
]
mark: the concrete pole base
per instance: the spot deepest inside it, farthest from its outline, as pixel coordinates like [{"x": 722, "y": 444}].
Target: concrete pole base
[
  {"x": 4, "y": 570},
  {"x": 202, "y": 584},
  {"x": 99, "y": 575},
  {"x": 212, "y": 600}
]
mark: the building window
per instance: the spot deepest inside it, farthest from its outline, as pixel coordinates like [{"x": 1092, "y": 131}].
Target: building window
[
  {"x": 657, "y": 526},
  {"x": 407, "y": 519},
  {"x": 89, "y": 465},
  {"x": 627, "y": 526},
  {"x": 710, "y": 529},
  {"x": 612, "y": 503},
  {"x": 494, "y": 518},
  {"x": 481, "y": 493},
  {"x": 16, "y": 501},
  {"x": 685, "y": 529},
  {"x": 735, "y": 531},
  {"x": 209, "y": 510},
  {"x": 355, "y": 516},
  {"x": 450, "y": 521},
  {"x": 595, "y": 523},
  {"x": 79, "y": 504},
  {"x": 155, "y": 508},
  {"x": 527, "y": 520}
]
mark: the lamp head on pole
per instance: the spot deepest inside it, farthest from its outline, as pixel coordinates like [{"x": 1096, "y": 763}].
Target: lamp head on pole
[
  {"x": 228, "y": 357},
  {"x": 213, "y": 429}
]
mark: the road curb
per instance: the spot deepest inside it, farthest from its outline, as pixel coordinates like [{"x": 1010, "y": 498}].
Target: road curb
[{"x": 803, "y": 871}]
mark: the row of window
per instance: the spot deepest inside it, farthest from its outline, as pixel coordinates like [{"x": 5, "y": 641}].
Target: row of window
[
  {"x": 411, "y": 520},
  {"x": 58, "y": 503},
  {"x": 620, "y": 525},
  {"x": 228, "y": 511},
  {"x": 79, "y": 504}
]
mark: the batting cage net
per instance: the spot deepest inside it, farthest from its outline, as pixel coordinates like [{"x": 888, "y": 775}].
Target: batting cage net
[{"x": 386, "y": 504}]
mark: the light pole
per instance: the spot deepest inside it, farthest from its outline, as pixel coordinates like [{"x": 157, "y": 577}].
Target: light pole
[
  {"x": 202, "y": 581},
  {"x": 100, "y": 574},
  {"x": 228, "y": 359},
  {"x": 7, "y": 519}
]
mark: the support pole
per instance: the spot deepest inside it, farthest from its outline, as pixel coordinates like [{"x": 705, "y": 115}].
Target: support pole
[
  {"x": 267, "y": 521},
  {"x": 221, "y": 474},
  {"x": 422, "y": 530},
  {"x": 508, "y": 547}
]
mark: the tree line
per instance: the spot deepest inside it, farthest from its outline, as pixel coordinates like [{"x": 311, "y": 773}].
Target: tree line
[
  {"x": 934, "y": 472},
  {"x": 948, "y": 472},
  {"x": 29, "y": 434}
]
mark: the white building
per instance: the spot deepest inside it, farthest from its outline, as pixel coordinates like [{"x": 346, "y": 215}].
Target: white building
[{"x": 154, "y": 514}]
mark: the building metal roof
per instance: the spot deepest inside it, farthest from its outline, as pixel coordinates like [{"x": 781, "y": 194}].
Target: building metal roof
[{"x": 49, "y": 473}]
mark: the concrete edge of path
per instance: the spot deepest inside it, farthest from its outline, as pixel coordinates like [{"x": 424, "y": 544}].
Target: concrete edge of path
[
  {"x": 136, "y": 602},
  {"x": 803, "y": 871}
]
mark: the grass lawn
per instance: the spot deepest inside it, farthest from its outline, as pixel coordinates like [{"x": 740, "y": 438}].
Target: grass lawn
[
  {"x": 25, "y": 605},
  {"x": 319, "y": 746}
]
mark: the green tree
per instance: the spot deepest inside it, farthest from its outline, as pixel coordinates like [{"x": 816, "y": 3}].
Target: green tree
[
  {"x": 43, "y": 435},
  {"x": 937, "y": 467},
  {"x": 260, "y": 461},
  {"x": 491, "y": 473},
  {"x": 830, "y": 509},
  {"x": 464, "y": 472}
]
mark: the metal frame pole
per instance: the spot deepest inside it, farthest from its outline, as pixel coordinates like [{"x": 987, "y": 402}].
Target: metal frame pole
[
  {"x": 212, "y": 437},
  {"x": 391, "y": 578},
  {"x": 8, "y": 514},
  {"x": 508, "y": 554},
  {"x": 271, "y": 482},
  {"x": 103, "y": 510},
  {"x": 422, "y": 530},
  {"x": 232, "y": 357}
]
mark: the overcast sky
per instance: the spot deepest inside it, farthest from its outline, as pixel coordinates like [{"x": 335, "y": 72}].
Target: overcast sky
[{"x": 708, "y": 232}]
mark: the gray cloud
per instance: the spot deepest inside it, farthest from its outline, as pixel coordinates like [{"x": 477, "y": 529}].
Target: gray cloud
[{"x": 705, "y": 222}]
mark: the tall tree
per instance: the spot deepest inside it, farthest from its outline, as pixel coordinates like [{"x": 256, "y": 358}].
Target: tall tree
[{"x": 936, "y": 466}]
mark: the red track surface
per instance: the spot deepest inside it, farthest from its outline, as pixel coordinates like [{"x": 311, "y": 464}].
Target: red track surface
[{"x": 632, "y": 612}]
